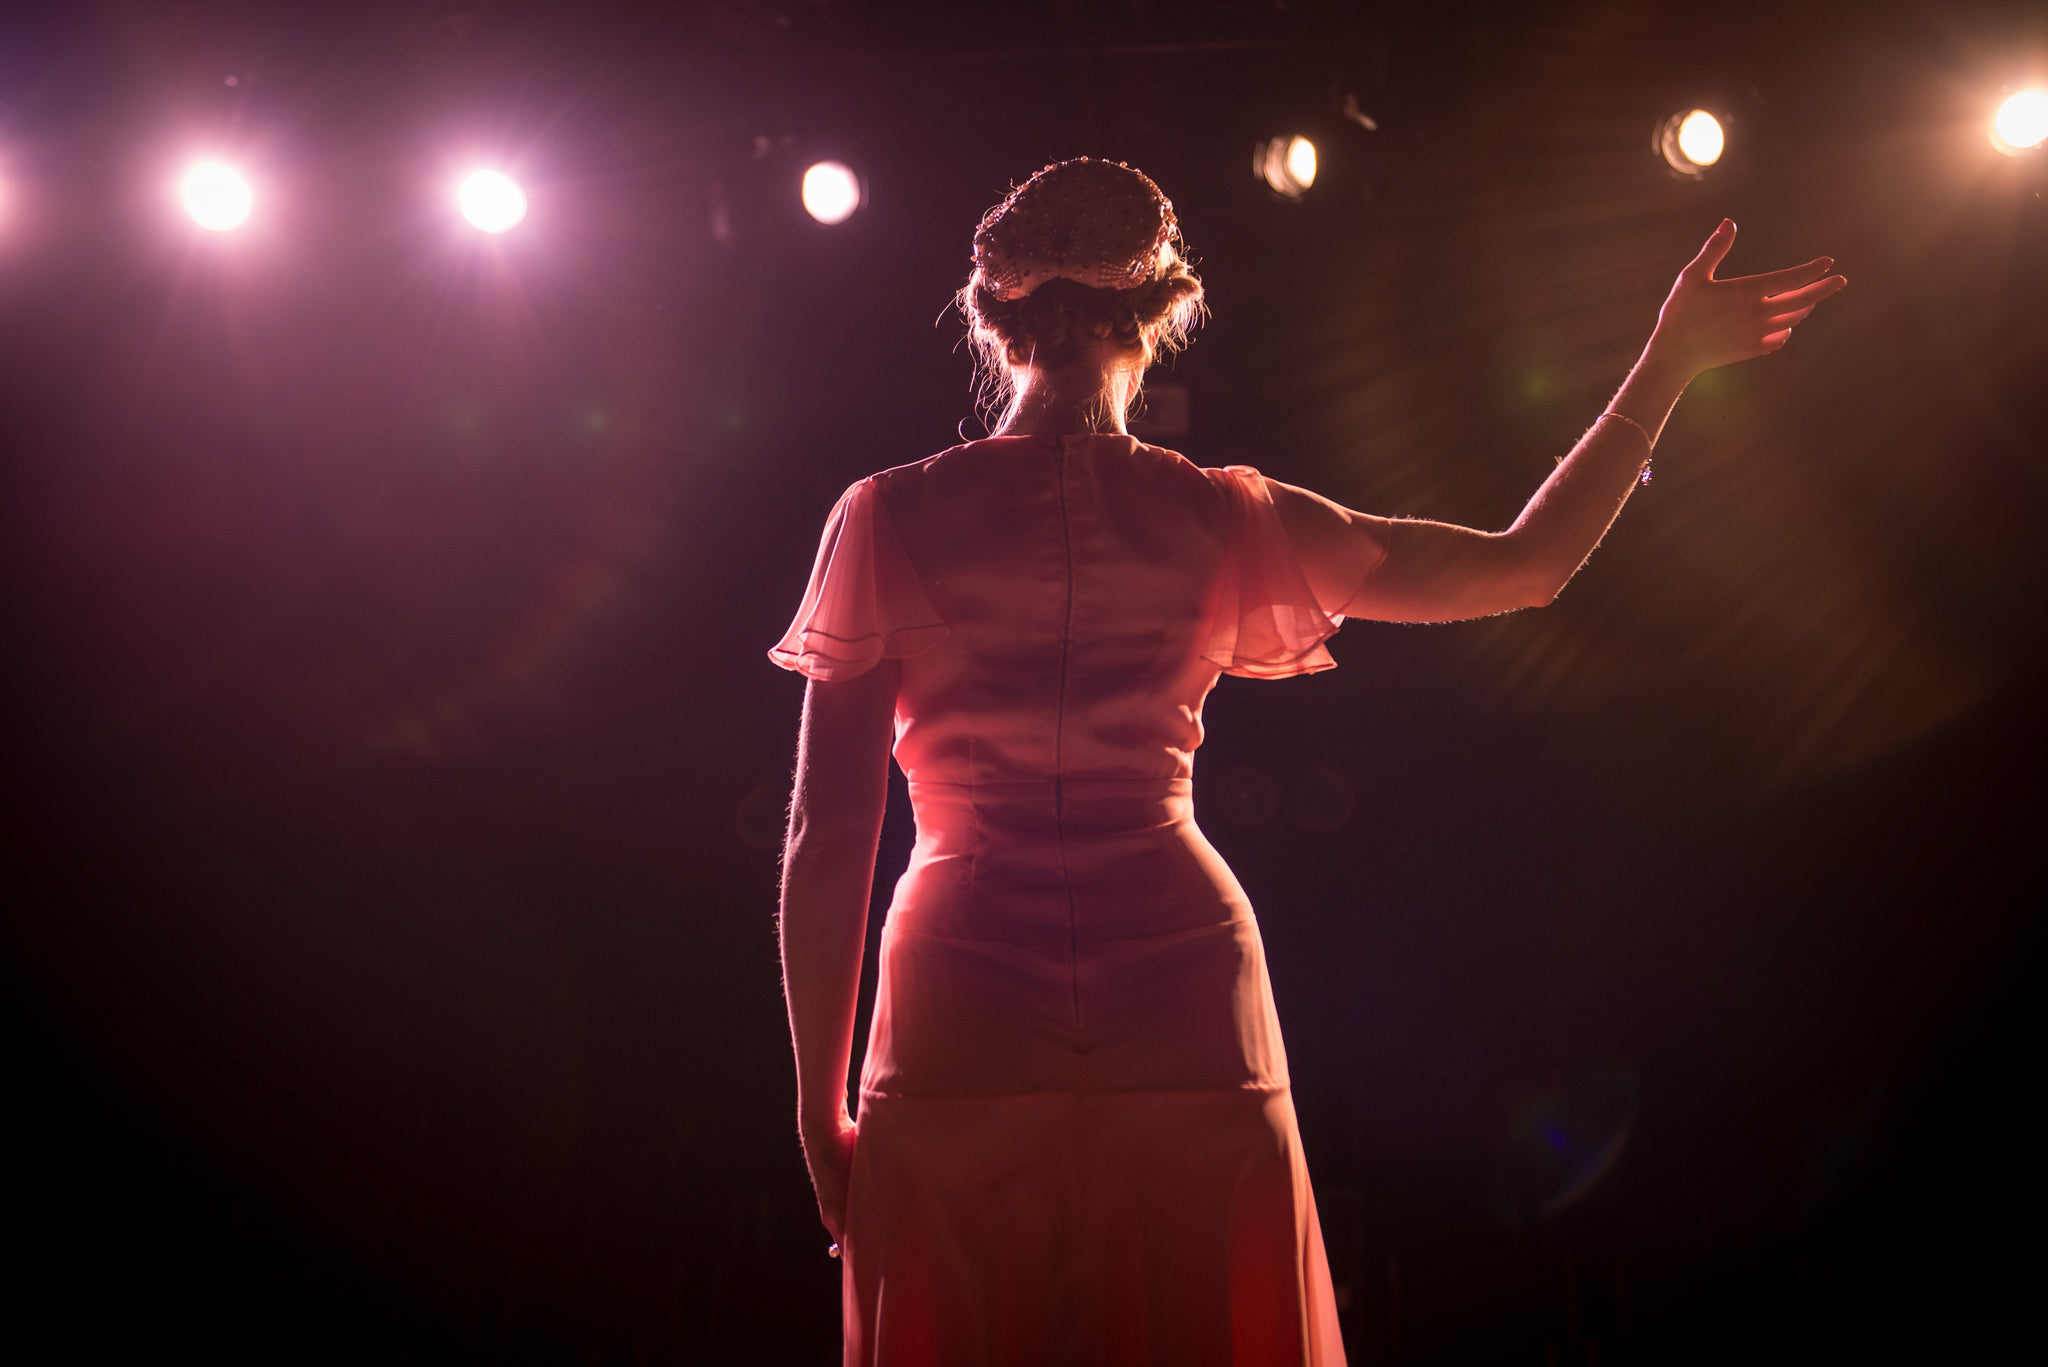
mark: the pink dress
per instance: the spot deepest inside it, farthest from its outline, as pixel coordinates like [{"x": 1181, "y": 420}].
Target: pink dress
[{"x": 1077, "y": 1143}]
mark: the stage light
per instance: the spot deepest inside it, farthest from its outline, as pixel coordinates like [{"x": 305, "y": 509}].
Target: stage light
[
  {"x": 215, "y": 196},
  {"x": 493, "y": 202},
  {"x": 1301, "y": 162},
  {"x": 1690, "y": 142},
  {"x": 831, "y": 192},
  {"x": 1700, "y": 138},
  {"x": 2021, "y": 124},
  {"x": 1288, "y": 165}
]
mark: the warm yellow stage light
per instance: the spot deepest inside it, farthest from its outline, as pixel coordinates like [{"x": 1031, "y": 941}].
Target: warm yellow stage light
[
  {"x": 1288, "y": 165},
  {"x": 492, "y": 201},
  {"x": 2022, "y": 123},
  {"x": 1700, "y": 138},
  {"x": 831, "y": 192},
  {"x": 1301, "y": 162},
  {"x": 216, "y": 197},
  {"x": 1690, "y": 141}
]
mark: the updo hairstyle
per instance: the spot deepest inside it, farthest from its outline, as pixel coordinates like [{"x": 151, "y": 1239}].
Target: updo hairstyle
[{"x": 1047, "y": 328}]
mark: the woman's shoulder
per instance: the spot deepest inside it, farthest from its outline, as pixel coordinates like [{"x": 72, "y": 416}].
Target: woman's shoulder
[
  {"x": 973, "y": 460},
  {"x": 938, "y": 465}
]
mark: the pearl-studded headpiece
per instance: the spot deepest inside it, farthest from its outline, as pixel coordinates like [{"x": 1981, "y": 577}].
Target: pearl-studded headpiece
[{"x": 1100, "y": 223}]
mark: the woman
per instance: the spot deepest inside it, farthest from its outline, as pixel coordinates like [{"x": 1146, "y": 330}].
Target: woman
[{"x": 1075, "y": 1139}]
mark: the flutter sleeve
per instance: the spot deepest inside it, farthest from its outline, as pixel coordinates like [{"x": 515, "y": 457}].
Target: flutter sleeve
[
  {"x": 865, "y": 601},
  {"x": 1268, "y": 623}
]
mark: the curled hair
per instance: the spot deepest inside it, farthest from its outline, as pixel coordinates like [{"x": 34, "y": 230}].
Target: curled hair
[{"x": 1049, "y": 327}]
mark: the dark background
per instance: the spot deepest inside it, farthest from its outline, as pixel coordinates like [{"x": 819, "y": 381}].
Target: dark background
[{"x": 394, "y": 771}]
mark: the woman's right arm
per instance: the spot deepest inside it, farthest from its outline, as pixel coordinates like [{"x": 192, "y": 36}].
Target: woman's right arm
[
  {"x": 1419, "y": 571},
  {"x": 828, "y": 871}
]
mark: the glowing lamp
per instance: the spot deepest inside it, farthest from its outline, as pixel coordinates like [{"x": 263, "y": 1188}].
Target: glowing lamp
[
  {"x": 831, "y": 192},
  {"x": 1288, "y": 165},
  {"x": 2021, "y": 124},
  {"x": 492, "y": 201},
  {"x": 216, "y": 197},
  {"x": 1690, "y": 142}
]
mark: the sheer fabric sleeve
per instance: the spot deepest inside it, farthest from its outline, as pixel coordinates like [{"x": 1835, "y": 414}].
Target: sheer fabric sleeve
[
  {"x": 864, "y": 603},
  {"x": 1268, "y": 622}
]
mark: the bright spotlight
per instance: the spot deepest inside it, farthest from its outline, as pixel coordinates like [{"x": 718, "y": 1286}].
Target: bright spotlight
[
  {"x": 1690, "y": 142},
  {"x": 1301, "y": 162},
  {"x": 2022, "y": 123},
  {"x": 216, "y": 197},
  {"x": 493, "y": 202},
  {"x": 1288, "y": 165},
  {"x": 831, "y": 192},
  {"x": 1699, "y": 137}
]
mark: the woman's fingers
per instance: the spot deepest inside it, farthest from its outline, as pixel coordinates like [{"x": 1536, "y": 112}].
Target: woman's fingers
[
  {"x": 1777, "y": 282},
  {"x": 830, "y": 1158},
  {"x": 832, "y": 1209},
  {"x": 1807, "y": 297},
  {"x": 1717, "y": 244},
  {"x": 1711, "y": 323}
]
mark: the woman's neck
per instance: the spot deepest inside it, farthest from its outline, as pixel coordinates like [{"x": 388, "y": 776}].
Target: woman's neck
[{"x": 1078, "y": 400}]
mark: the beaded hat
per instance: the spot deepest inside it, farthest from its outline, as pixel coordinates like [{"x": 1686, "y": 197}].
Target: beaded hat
[{"x": 1097, "y": 222}]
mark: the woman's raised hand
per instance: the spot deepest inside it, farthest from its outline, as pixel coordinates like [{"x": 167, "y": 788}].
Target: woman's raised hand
[{"x": 1707, "y": 322}]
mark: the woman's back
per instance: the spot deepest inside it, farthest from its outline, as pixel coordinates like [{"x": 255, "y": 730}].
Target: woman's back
[
  {"x": 1076, "y": 575},
  {"x": 1062, "y": 605}
]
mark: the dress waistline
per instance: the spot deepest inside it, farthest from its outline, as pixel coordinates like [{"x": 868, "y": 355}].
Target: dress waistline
[
  {"x": 1059, "y": 862},
  {"x": 1069, "y": 805}
]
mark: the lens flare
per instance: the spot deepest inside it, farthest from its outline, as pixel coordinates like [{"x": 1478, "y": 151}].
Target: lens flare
[
  {"x": 492, "y": 201},
  {"x": 1287, "y": 165},
  {"x": 215, "y": 197},
  {"x": 1690, "y": 141},
  {"x": 1562, "y": 1140},
  {"x": 831, "y": 192},
  {"x": 2021, "y": 124}
]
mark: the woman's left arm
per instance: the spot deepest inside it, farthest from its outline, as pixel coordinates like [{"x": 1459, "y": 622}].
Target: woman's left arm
[
  {"x": 828, "y": 872},
  {"x": 1438, "y": 572}
]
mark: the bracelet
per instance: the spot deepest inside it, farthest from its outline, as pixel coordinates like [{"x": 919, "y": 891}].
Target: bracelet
[{"x": 1648, "y": 440}]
